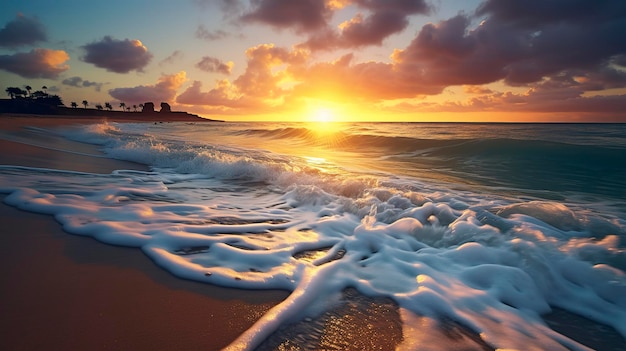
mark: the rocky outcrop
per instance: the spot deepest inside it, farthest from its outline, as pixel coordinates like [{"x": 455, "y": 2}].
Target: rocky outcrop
[
  {"x": 166, "y": 108},
  {"x": 148, "y": 107}
]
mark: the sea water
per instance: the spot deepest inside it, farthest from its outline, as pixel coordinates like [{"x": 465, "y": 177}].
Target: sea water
[{"x": 488, "y": 225}]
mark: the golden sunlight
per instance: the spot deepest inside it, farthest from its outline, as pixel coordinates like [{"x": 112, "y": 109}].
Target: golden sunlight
[{"x": 322, "y": 115}]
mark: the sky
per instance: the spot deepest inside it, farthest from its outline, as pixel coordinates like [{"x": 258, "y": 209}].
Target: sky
[{"x": 337, "y": 60}]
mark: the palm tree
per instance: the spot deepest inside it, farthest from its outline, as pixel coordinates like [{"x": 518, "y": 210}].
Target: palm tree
[
  {"x": 122, "y": 106},
  {"x": 85, "y": 103},
  {"x": 128, "y": 109},
  {"x": 74, "y": 104},
  {"x": 44, "y": 88},
  {"x": 99, "y": 107},
  {"x": 108, "y": 106},
  {"x": 15, "y": 92},
  {"x": 28, "y": 89},
  {"x": 135, "y": 108}
]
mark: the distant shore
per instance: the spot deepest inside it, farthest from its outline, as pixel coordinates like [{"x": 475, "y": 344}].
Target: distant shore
[
  {"x": 109, "y": 116},
  {"x": 33, "y": 108}
]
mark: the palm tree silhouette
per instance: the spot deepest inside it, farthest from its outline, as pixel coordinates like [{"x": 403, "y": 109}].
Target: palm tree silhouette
[
  {"x": 122, "y": 105},
  {"x": 135, "y": 108},
  {"x": 85, "y": 103},
  {"x": 99, "y": 107},
  {"x": 74, "y": 104},
  {"x": 108, "y": 106}
]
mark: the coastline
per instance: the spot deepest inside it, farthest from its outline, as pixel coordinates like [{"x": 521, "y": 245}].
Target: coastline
[
  {"x": 74, "y": 292},
  {"x": 60, "y": 291}
]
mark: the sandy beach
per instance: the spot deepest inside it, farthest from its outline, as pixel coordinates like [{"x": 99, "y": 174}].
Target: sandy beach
[{"x": 64, "y": 292}]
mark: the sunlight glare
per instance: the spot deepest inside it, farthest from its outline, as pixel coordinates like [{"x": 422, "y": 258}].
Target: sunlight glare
[{"x": 323, "y": 115}]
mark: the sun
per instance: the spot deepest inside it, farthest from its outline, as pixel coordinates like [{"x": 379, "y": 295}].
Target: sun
[{"x": 322, "y": 115}]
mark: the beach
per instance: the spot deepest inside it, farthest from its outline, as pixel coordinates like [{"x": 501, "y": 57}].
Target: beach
[{"x": 64, "y": 292}]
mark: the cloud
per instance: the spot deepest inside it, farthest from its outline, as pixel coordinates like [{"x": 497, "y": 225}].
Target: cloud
[
  {"x": 476, "y": 89},
  {"x": 224, "y": 96},
  {"x": 79, "y": 82},
  {"x": 212, "y": 64},
  {"x": 259, "y": 79},
  {"x": 163, "y": 91},
  {"x": 120, "y": 56},
  {"x": 203, "y": 33},
  {"x": 515, "y": 45},
  {"x": 382, "y": 19},
  {"x": 303, "y": 15},
  {"x": 38, "y": 63},
  {"x": 22, "y": 31},
  {"x": 260, "y": 86},
  {"x": 175, "y": 56}
]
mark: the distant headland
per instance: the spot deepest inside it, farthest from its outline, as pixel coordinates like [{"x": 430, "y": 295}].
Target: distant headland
[{"x": 41, "y": 103}]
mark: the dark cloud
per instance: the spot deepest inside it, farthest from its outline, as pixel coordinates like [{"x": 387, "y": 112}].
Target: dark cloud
[
  {"x": 163, "y": 91},
  {"x": 212, "y": 64},
  {"x": 120, "y": 56},
  {"x": 303, "y": 15},
  {"x": 79, "y": 82},
  {"x": 581, "y": 40},
  {"x": 38, "y": 63},
  {"x": 384, "y": 18},
  {"x": 533, "y": 13},
  {"x": 203, "y": 33},
  {"x": 22, "y": 31}
]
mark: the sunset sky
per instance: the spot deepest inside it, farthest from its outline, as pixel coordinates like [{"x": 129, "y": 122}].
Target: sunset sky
[{"x": 344, "y": 60}]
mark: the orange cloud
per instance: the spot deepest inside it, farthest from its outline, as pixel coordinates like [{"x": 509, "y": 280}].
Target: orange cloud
[{"x": 38, "y": 63}]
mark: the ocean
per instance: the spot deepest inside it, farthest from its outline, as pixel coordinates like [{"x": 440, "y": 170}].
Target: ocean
[{"x": 488, "y": 225}]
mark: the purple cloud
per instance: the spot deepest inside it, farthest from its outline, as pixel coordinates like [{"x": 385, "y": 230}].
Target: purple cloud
[
  {"x": 79, "y": 82},
  {"x": 203, "y": 33},
  {"x": 120, "y": 56},
  {"x": 384, "y": 18},
  {"x": 212, "y": 64},
  {"x": 303, "y": 15},
  {"x": 22, "y": 31},
  {"x": 164, "y": 90}
]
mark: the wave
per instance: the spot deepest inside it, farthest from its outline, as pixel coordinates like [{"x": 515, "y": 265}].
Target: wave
[{"x": 515, "y": 163}]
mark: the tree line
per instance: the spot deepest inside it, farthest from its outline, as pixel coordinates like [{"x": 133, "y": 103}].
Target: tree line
[
  {"x": 39, "y": 96},
  {"x": 43, "y": 97},
  {"x": 108, "y": 106}
]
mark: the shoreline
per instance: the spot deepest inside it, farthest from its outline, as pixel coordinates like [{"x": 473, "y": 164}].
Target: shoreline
[
  {"x": 61, "y": 291},
  {"x": 74, "y": 292}
]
